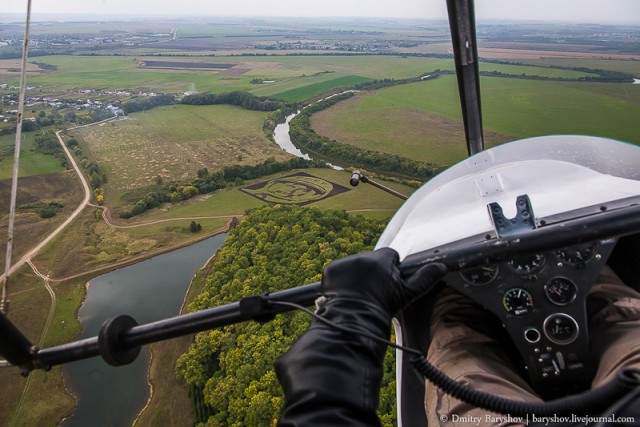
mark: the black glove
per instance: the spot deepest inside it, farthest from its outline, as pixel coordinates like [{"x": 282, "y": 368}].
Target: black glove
[
  {"x": 332, "y": 378},
  {"x": 374, "y": 278}
]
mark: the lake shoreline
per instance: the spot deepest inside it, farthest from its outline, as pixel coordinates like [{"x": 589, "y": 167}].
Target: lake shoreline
[
  {"x": 152, "y": 359},
  {"x": 143, "y": 256}
]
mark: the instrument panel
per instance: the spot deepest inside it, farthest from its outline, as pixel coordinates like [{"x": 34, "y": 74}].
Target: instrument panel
[{"x": 540, "y": 299}]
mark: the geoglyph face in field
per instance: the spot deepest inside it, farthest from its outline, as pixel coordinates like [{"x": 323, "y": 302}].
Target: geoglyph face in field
[{"x": 296, "y": 189}]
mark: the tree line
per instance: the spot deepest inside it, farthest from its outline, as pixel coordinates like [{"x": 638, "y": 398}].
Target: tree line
[
  {"x": 147, "y": 103},
  {"x": 97, "y": 176},
  {"x": 605, "y": 76},
  {"x": 230, "y": 371},
  {"x": 241, "y": 99},
  {"x": 47, "y": 143}
]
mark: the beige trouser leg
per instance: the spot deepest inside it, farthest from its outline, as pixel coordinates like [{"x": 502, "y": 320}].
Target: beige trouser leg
[
  {"x": 614, "y": 313},
  {"x": 472, "y": 356}
]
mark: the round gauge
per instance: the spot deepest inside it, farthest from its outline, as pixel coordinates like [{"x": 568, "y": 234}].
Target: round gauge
[
  {"x": 526, "y": 264},
  {"x": 479, "y": 276},
  {"x": 560, "y": 291},
  {"x": 576, "y": 255},
  {"x": 560, "y": 328},
  {"x": 517, "y": 301}
]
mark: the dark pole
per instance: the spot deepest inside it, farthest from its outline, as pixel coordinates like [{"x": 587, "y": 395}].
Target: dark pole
[
  {"x": 14, "y": 346},
  {"x": 465, "y": 52}
]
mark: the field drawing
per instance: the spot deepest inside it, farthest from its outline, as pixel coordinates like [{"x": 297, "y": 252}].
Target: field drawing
[{"x": 299, "y": 189}]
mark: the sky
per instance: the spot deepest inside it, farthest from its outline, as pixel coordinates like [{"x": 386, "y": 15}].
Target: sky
[{"x": 555, "y": 10}]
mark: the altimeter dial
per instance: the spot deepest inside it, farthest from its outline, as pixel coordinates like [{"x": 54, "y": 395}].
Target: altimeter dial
[
  {"x": 526, "y": 264},
  {"x": 576, "y": 255}
]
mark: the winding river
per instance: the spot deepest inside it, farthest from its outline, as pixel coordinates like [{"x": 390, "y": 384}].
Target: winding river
[
  {"x": 282, "y": 138},
  {"x": 148, "y": 291}
]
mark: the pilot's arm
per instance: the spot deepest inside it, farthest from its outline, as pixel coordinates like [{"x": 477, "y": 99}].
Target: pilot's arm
[{"x": 331, "y": 377}]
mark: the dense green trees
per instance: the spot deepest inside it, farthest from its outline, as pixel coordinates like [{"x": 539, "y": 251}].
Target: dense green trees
[
  {"x": 273, "y": 248},
  {"x": 47, "y": 143},
  {"x": 147, "y": 103},
  {"x": 242, "y": 99}
]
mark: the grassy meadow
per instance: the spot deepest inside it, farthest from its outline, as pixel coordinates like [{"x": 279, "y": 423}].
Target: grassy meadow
[
  {"x": 173, "y": 143},
  {"x": 423, "y": 120},
  {"x": 31, "y": 162}
]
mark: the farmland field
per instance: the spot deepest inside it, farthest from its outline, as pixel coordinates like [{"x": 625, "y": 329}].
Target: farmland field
[
  {"x": 423, "y": 120},
  {"x": 626, "y": 66},
  {"x": 174, "y": 142},
  {"x": 292, "y": 78}
]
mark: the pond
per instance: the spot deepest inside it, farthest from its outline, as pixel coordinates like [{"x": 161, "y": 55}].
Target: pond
[{"x": 148, "y": 291}]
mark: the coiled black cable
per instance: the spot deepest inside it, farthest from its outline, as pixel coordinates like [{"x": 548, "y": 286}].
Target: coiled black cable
[
  {"x": 590, "y": 402},
  {"x": 595, "y": 401}
]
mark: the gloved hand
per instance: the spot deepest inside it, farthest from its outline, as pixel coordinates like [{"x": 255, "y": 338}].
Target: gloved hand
[
  {"x": 373, "y": 278},
  {"x": 332, "y": 378}
]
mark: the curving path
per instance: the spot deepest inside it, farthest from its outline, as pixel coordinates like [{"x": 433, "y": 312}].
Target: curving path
[{"x": 87, "y": 195}]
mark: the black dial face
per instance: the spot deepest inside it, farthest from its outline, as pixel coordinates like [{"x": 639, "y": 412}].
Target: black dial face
[
  {"x": 479, "y": 276},
  {"x": 561, "y": 328},
  {"x": 517, "y": 301},
  {"x": 526, "y": 264},
  {"x": 576, "y": 255},
  {"x": 560, "y": 291}
]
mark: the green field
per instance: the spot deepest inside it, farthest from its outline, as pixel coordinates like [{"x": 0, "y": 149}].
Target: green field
[
  {"x": 365, "y": 199},
  {"x": 31, "y": 162},
  {"x": 423, "y": 120},
  {"x": 309, "y": 89},
  {"x": 518, "y": 70},
  {"x": 288, "y": 73},
  {"x": 627, "y": 66}
]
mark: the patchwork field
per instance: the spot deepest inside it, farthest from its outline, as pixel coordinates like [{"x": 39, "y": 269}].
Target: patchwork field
[
  {"x": 10, "y": 68},
  {"x": 292, "y": 78}
]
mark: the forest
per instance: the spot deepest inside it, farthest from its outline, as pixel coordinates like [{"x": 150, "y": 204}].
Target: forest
[
  {"x": 242, "y": 99},
  {"x": 230, "y": 371}
]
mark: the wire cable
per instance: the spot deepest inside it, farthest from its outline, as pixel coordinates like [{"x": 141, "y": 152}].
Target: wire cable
[
  {"x": 4, "y": 303},
  {"x": 345, "y": 329},
  {"x": 584, "y": 403}
]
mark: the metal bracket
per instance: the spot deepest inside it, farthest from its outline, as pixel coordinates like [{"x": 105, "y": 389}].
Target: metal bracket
[{"x": 524, "y": 219}]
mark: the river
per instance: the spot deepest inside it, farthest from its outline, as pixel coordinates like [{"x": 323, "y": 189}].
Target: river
[
  {"x": 282, "y": 138},
  {"x": 148, "y": 291}
]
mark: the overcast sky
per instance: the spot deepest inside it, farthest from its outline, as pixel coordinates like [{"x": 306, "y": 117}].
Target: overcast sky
[{"x": 557, "y": 10}]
